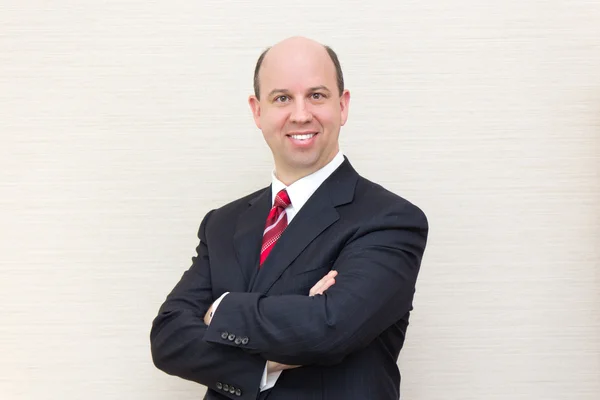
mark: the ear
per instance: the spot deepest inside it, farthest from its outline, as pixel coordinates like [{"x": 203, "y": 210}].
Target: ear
[
  {"x": 344, "y": 104},
  {"x": 255, "y": 107}
]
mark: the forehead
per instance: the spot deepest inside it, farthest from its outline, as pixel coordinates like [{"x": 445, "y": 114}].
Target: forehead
[{"x": 297, "y": 70}]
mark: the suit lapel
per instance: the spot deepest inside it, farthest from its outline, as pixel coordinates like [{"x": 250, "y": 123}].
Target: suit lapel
[
  {"x": 316, "y": 215},
  {"x": 247, "y": 239}
]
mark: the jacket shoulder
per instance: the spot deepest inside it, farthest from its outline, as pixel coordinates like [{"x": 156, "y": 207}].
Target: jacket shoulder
[
  {"x": 233, "y": 208},
  {"x": 381, "y": 199},
  {"x": 242, "y": 201}
]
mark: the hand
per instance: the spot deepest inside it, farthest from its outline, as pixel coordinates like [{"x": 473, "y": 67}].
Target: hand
[
  {"x": 325, "y": 283},
  {"x": 273, "y": 366}
]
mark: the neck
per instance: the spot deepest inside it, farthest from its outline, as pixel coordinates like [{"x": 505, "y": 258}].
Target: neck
[
  {"x": 289, "y": 174},
  {"x": 289, "y": 177}
]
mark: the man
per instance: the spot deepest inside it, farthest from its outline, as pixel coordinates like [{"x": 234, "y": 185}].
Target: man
[{"x": 301, "y": 290}]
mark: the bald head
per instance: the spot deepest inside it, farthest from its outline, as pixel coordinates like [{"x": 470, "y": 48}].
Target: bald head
[{"x": 298, "y": 48}]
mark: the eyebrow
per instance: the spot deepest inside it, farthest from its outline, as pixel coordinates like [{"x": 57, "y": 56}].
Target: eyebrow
[{"x": 312, "y": 89}]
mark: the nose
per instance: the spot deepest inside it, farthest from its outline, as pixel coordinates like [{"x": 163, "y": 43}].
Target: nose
[{"x": 300, "y": 113}]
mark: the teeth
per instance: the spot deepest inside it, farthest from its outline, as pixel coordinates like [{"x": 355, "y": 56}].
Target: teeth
[{"x": 303, "y": 137}]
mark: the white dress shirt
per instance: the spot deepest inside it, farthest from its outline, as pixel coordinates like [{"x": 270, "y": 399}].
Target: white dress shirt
[{"x": 299, "y": 192}]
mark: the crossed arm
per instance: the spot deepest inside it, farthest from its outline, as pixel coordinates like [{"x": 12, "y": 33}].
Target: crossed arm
[
  {"x": 177, "y": 336},
  {"x": 318, "y": 289},
  {"x": 377, "y": 269}
]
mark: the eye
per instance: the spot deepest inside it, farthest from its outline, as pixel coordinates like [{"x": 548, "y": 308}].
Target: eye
[
  {"x": 281, "y": 99},
  {"x": 317, "y": 96}
]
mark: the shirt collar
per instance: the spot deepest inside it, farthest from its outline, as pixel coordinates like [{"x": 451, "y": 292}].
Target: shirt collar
[{"x": 301, "y": 190}]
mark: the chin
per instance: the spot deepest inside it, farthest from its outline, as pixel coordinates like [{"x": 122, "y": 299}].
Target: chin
[{"x": 305, "y": 163}]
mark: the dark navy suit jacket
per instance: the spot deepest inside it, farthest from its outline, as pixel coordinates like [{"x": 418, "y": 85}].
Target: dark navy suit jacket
[{"x": 347, "y": 340}]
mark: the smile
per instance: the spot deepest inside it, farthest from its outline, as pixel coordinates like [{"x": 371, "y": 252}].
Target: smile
[{"x": 303, "y": 137}]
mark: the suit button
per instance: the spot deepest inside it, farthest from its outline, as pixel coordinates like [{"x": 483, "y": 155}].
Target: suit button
[
  {"x": 226, "y": 387},
  {"x": 231, "y": 389},
  {"x": 219, "y": 385},
  {"x": 238, "y": 340},
  {"x": 231, "y": 337},
  {"x": 245, "y": 341},
  {"x": 224, "y": 335},
  {"x": 238, "y": 392}
]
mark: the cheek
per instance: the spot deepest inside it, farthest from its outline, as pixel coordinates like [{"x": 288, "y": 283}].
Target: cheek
[
  {"x": 274, "y": 120},
  {"x": 329, "y": 119}
]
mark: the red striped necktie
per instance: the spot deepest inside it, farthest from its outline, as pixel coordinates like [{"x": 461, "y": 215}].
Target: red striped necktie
[{"x": 276, "y": 224}]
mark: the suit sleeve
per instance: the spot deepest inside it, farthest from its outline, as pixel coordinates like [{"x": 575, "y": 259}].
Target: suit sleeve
[
  {"x": 375, "y": 286},
  {"x": 176, "y": 337}
]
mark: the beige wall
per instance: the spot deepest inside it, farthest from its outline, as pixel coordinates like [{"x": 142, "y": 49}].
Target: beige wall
[{"x": 123, "y": 122}]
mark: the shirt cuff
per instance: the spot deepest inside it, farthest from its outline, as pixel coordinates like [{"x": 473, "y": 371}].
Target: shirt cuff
[
  {"x": 268, "y": 380},
  {"x": 216, "y": 304}
]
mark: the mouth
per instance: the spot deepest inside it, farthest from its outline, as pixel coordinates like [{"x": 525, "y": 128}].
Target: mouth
[{"x": 302, "y": 137}]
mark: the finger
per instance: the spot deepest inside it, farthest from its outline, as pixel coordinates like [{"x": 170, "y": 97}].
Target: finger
[
  {"x": 317, "y": 287},
  {"x": 314, "y": 289},
  {"x": 326, "y": 278},
  {"x": 326, "y": 285},
  {"x": 329, "y": 283}
]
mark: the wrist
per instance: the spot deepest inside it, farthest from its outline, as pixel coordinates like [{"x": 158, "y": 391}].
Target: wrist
[
  {"x": 273, "y": 366},
  {"x": 208, "y": 316}
]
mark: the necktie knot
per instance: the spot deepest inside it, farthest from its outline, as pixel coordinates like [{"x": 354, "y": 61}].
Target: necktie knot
[{"x": 282, "y": 199}]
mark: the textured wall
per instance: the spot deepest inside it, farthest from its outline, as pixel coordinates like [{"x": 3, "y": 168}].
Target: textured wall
[{"x": 123, "y": 122}]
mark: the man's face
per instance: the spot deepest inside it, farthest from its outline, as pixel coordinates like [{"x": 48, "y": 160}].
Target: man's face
[{"x": 300, "y": 111}]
